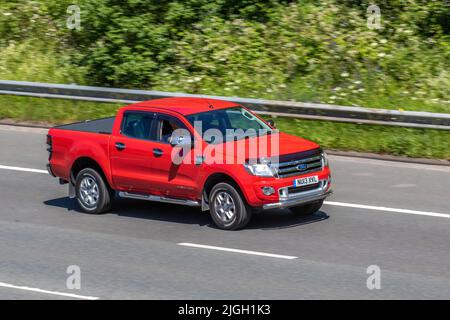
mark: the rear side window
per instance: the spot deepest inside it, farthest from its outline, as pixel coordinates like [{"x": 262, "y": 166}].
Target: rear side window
[{"x": 138, "y": 125}]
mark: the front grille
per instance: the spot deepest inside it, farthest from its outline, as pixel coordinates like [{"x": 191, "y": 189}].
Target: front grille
[{"x": 300, "y": 163}]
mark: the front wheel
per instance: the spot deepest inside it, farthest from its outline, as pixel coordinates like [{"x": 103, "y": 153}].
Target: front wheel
[
  {"x": 308, "y": 209},
  {"x": 93, "y": 195},
  {"x": 228, "y": 208}
]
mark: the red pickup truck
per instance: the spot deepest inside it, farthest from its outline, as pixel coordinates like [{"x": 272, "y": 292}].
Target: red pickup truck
[{"x": 189, "y": 151}]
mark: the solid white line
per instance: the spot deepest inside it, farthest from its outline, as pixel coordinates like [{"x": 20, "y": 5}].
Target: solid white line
[
  {"x": 23, "y": 169},
  {"x": 70, "y": 295},
  {"x": 407, "y": 211},
  {"x": 256, "y": 253}
]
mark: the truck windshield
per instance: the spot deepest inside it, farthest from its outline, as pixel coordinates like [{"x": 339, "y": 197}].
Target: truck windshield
[{"x": 233, "y": 124}]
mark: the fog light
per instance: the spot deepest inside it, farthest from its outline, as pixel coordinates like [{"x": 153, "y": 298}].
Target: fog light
[{"x": 268, "y": 191}]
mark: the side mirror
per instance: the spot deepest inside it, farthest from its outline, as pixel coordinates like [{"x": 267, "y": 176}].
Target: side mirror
[
  {"x": 271, "y": 123},
  {"x": 180, "y": 141}
]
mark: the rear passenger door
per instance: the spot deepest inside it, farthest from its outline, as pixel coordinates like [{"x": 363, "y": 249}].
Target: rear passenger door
[{"x": 131, "y": 153}]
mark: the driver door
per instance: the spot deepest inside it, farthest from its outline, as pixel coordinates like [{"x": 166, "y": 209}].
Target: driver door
[{"x": 174, "y": 180}]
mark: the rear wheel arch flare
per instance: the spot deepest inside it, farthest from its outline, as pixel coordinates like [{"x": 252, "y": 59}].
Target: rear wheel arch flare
[{"x": 83, "y": 163}]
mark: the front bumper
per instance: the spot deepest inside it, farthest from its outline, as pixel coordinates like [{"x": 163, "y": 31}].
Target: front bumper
[{"x": 287, "y": 200}]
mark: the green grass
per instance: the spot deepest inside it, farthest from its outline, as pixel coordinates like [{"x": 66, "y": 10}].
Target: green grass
[
  {"x": 408, "y": 142},
  {"x": 340, "y": 136},
  {"x": 53, "y": 111}
]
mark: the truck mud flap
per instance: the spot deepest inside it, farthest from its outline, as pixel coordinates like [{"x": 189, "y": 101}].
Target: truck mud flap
[{"x": 72, "y": 193}]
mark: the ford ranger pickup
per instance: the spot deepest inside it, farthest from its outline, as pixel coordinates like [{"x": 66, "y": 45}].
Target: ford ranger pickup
[{"x": 212, "y": 154}]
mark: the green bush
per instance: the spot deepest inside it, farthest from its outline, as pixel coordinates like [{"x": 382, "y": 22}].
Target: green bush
[{"x": 306, "y": 50}]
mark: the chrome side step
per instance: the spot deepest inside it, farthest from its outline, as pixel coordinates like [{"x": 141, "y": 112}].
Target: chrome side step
[{"x": 148, "y": 197}]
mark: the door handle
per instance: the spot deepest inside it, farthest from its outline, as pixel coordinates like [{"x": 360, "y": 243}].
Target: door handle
[
  {"x": 120, "y": 146},
  {"x": 157, "y": 152}
]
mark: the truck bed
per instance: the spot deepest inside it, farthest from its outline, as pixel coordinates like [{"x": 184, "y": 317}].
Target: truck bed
[{"x": 103, "y": 126}]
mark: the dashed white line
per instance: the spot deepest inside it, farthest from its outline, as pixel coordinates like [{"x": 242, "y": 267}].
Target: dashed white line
[
  {"x": 23, "y": 169},
  {"x": 256, "y": 253},
  {"x": 386, "y": 209},
  {"x": 63, "y": 294}
]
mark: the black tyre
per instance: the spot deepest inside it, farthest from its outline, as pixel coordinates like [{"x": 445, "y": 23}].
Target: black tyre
[
  {"x": 308, "y": 209},
  {"x": 228, "y": 209},
  {"x": 93, "y": 194}
]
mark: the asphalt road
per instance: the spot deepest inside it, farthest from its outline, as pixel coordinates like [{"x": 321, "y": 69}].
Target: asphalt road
[{"x": 134, "y": 252}]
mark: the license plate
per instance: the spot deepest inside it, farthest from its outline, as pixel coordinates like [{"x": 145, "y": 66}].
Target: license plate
[{"x": 306, "y": 181}]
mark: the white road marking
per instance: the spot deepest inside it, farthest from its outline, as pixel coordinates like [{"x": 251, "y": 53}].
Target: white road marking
[
  {"x": 23, "y": 169},
  {"x": 362, "y": 206},
  {"x": 256, "y": 253},
  {"x": 70, "y": 295},
  {"x": 404, "y": 185}
]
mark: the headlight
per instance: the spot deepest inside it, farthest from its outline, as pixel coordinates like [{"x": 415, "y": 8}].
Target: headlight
[
  {"x": 261, "y": 169},
  {"x": 325, "y": 162}
]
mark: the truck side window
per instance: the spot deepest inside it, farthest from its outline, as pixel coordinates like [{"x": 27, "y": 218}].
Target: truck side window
[
  {"x": 137, "y": 125},
  {"x": 166, "y": 126}
]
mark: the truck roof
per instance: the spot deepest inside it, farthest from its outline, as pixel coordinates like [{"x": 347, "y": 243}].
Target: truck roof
[{"x": 187, "y": 105}]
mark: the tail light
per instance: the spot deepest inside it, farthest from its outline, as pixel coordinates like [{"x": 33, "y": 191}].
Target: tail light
[{"x": 49, "y": 146}]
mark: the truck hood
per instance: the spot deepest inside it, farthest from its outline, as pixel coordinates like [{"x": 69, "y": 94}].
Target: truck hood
[
  {"x": 293, "y": 144},
  {"x": 288, "y": 144}
]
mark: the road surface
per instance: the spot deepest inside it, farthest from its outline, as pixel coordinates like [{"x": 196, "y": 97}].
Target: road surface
[{"x": 395, "y": 216}]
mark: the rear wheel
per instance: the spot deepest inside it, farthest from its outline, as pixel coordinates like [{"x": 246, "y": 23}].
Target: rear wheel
[
  {"x": 308, "y": 209},
  {"x": 228, "y": 208},
  {"x": 93, "y": 194}
]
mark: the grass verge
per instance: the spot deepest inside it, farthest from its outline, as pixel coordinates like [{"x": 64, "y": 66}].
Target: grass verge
[
  {"x": 415, "y": 143},
  {"x": 423, "y": 143}
]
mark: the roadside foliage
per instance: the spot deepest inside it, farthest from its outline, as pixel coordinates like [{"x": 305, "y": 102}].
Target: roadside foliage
[{"x": 304, "y": 50}]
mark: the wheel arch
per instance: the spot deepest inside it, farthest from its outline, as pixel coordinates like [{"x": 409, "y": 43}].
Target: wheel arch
[
  {"x": 214, "y": 179},
  {"x": 84, "y": 162}
]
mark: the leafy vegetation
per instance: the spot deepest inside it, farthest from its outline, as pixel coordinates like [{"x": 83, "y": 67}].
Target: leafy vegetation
[{"x": 305, "y": 50}]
